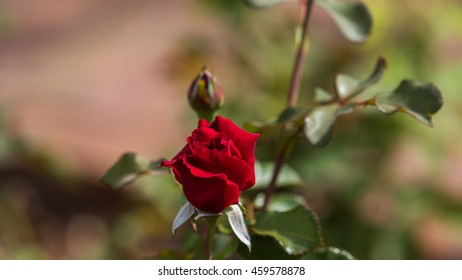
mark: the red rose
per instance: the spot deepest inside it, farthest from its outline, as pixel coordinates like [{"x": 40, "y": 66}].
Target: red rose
[{"x": 216, "y": 164}]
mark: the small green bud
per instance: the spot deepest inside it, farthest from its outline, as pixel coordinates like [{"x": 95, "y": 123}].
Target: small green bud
[{"x": 206, "y": 95}]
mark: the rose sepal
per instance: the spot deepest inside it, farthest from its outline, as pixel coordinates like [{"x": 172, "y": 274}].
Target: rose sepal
[
  {"x": 236, "y": 220},
  {"x": 185, "y": 213},
  {"x": 233, "y": 213},
  {"x": 188, "y": 211}
]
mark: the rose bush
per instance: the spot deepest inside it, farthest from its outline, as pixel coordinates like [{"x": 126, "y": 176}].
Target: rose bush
[{"x": 216, "y": 164}]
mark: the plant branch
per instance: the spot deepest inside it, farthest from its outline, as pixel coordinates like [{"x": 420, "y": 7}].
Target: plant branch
[
  {"x": 279, "y": 162},
  {"x": 299, "y": 58},
  {"x": 291, "y": 102}
]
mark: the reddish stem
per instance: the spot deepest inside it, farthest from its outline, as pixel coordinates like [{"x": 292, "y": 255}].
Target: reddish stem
[{"x": 291, "y": 101}]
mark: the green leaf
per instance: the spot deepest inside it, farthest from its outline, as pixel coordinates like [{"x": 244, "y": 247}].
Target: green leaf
[
  {"x": 264, "y": 248},
  {"x": 347, "y": 86},
  {"x": 291, "y": 114},
  {"x": 224, "y": 246},
  {"x": 320, "y": 125},
  {"x": 322, "y": 95},
  {"x": 328, "y": 253},
  {"x": 353, "y": 19},
  {"x": 264, "y": 171},
  {"x": 297, "y": 231},
  {"x": 127, "y": 169},
  {"x": 266, "y": 131},
  {"x": 281, "y": 202},
  {"x": 261, "y": 3},
  {"x": 420, "y": 100}
]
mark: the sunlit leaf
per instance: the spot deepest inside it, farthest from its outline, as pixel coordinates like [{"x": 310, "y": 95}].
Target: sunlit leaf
[
  {"x": 320, "y": 125},
  {"x": 353, "y": 19},
  {"x": 237, "y": 223},
  {"x": 297, "y": 231},
  {"x": 328, "y": 253},
  {"x": 261, "y": 3},
  {"x": 264, "y": 171},
  {"x": 347, "y": 86},
  {"x": 322, "y": 95},
  {"x": 127, "y": 169},
  {"x": 418, "y": 99},
  {"x": 281, "y": 202}
]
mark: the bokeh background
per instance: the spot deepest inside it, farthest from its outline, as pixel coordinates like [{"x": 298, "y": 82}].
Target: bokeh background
[{"x": 83, "y": 81}]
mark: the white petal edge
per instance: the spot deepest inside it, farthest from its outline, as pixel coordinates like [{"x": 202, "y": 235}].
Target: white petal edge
[
  {"x": 236, "y": 220},
  {"x": 183, "y": 215}
]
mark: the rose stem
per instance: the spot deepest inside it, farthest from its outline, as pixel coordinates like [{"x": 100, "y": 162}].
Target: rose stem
[
  {"x": 211, "y": 222},
  {"x": 291, "y": 99}
]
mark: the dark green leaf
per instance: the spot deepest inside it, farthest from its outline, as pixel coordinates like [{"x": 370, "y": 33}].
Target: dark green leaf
[
  {"x": 320, "y": 125},
  {"x": 292, "y": 113},
  {"x": 353, "y": 19},
  {"x": 127, "y": 169},
  {"x": 376, "y": 75},
  {"x": 261, "y": 3},
  {"x": 418, "y": 99},
  {"x": 224, "y": 245},
  {"x": 264, "y": 171},
  {"x": 266, "y": 131},
  {"x": 297, "y": 231},
  {"x": 347, "y": 86},
  {"x": 264, "y": 248},
  {"x": 328, "y": 253}
]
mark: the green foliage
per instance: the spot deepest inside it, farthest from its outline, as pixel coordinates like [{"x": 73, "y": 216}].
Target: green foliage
[
  {"x": 353, "y": 19},
  {"x": 284, "y": 227},
  {"x": 261, "y": 3},
  {"x": 264, "y": 248},
  {"x": 348, "y": 87},
  {"x": 297, "y": 230},
  {"x": 414, "y": 98},
  {"x": 128, "y": 169},
  {"x": 328, "y": 253},
  {"x": 320, "y": 124},
  {"x": 283, "y": 201},
  {"x": 264, "y": 171}
]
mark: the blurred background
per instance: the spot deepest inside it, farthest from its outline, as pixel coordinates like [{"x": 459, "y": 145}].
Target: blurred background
[{"x": 82, "y": 82}]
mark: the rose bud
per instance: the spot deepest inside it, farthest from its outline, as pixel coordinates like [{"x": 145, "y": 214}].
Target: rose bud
[
  {"x": 206, "y": 95},
  {"x": 216, "y": 164}
]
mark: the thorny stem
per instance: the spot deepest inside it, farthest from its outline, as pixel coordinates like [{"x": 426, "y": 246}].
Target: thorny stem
[{"x": 291, "y": 100}]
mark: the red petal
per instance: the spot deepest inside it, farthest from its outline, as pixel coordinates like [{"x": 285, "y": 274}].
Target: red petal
[
  {"x": 204, "y": 190},
  {"x": 243, "y": 140},
  {"x": 206, "y": 162}
]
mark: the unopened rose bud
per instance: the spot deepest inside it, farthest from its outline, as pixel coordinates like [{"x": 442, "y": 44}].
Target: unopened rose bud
[{"x": 206, "y": 95}]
